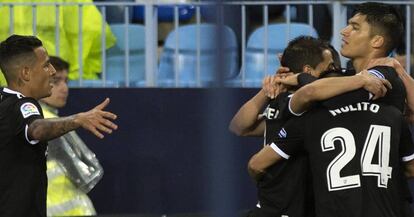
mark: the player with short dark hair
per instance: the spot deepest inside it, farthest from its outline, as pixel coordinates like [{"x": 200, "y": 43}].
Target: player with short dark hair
[
  {"x": 305, "y": 50},
  {"x": 384, "y": 21},
  {"x": 23, "y": 131},
  {"x": 374, "y": 45},
  {"x": 284, "y": 190}
]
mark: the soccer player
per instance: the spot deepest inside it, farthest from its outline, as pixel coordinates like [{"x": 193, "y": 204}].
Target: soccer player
[
  {"x": 372, "y": 33},
  {"x": 284, "y": 190},
  {"x": 23, "y": 131},
  {"x": 354, "y": 151},
  {"x": 303, "y": 54}
]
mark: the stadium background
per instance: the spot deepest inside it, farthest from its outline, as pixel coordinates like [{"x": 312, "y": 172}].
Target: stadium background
[{"x": 173, "y": 154}]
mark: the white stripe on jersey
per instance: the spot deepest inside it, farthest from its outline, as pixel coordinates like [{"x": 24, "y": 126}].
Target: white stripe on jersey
[
  {"x": 279, "y": 151},
  {"x": 33, "y": 142},
  {"x": 376, "y": 73},
  {"x": 408, "y": 158},
  {"x": 290, "y": 108}
]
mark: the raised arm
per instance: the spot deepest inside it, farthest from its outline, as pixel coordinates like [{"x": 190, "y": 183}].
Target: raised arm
[
  {"x": 95, "y": 120},
  {"x": 248, "y": 121},
  {"x": 326, "y": 88}
]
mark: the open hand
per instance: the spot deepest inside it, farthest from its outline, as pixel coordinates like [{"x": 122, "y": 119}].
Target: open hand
[
  {"x": 376, "y": 86},
  {"x": 97, "y": 120}
]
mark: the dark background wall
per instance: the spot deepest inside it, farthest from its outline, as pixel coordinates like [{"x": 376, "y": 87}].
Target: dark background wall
[{"x": 172, "y": 152}]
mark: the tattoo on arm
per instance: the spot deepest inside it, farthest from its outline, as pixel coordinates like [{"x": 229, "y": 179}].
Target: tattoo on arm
[{"x": 48, "y": 129}]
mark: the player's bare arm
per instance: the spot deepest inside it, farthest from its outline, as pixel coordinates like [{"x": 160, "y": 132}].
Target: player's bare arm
[
  {"x": 95, "y": 120},
  {"x": 409, "y": 169},
  {"x": 247, "y": 121},
  {"x": 326, "y": 88},
  {"x": 261, "y": 161}
]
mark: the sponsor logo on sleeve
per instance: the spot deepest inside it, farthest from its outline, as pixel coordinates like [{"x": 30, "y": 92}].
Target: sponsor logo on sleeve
[
  {"x": 282, "y": 133},
  {"x": 29, "y": 109}
]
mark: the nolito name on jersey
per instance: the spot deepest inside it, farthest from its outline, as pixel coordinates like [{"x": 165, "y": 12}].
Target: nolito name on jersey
[{"x": 361, "y": 106}]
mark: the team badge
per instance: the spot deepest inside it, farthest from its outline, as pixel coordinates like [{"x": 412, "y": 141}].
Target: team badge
[{"x": 29, "y": 109}]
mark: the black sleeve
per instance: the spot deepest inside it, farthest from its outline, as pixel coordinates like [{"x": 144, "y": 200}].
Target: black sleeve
[
  {"x": 290, "y": 139},
  {"x": 27, "y": 110},
  {"x": 394, "y": 96},
  {"x": 284, "y": 112}
]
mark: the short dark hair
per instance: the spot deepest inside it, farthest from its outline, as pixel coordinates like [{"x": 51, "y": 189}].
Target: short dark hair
[
  {"x": 58, "y": 63},
  {"x": 385, "y": 20},
  {"x": 16, "y": 49},
  {"x": 301, "y": 51}
]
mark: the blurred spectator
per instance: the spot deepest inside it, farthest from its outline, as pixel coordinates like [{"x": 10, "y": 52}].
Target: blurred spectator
[
  {"x": 116, "y": 13},
  {"x": 72, "y": 169},
  {"x": 68, "y": 32}
]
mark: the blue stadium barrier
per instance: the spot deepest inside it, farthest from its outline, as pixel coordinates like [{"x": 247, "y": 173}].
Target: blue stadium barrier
[
  {"x": 187, "y": 55},
  {"x": 115, "y": 57},
  {"x": 156, "y": 161}
]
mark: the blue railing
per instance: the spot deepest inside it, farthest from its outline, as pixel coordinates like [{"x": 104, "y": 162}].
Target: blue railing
[{"x": 137, "y": 63}]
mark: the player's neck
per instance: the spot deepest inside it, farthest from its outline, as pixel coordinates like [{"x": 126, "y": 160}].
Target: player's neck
[
  {"x": 360, "y": 64},
  {"x": 363, "y": 62},
  {"x": 20, "y": 88}
]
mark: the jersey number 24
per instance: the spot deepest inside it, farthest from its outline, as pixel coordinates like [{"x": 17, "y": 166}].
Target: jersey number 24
[{"x": 377, "y": 136}]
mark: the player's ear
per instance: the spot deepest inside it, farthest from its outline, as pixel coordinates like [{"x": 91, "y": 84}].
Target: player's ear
[
  {"x": 307, "y": 69},
  {"x": 377, "y": 41},
  {"x": 25, "y": 73}
]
